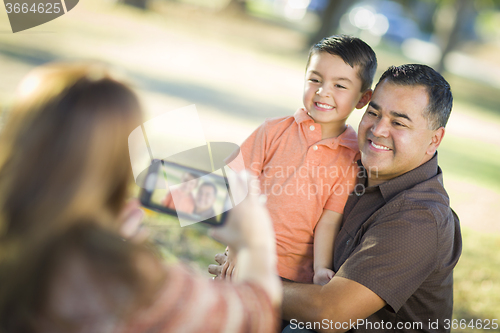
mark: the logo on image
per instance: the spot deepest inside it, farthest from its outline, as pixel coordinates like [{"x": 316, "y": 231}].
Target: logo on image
[
  {"x": 182, "y": 174},
  {"x": 26, "y": 14}
]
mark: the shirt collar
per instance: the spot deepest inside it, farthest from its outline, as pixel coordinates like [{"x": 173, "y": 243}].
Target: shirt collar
[
  {"x": 301, "y": 116},
  {"x": 348, "y": 138},
  {"x": 392, "y": 187}
]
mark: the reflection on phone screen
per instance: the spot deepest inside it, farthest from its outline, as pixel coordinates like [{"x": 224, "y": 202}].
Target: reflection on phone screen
[{"x": 192, "y": 195}]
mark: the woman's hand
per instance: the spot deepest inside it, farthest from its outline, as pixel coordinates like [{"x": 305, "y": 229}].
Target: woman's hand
[
  {"x": 248, "y": 224},
  {"x": 131, "y": 226},
  {"x": 229, "y": 270},
  {"x": 249, "y": 234}
]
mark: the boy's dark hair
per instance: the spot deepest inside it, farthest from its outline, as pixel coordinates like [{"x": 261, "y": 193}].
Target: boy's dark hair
[
  {"x": 438, "y": 89},
  {"x": 353, "y": 51}
]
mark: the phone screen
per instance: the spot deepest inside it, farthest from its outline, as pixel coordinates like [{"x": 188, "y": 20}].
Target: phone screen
[{"x": 191, "y": 195}]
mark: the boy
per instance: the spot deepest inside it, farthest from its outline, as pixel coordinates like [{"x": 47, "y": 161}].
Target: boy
[{"x": 305, "y": 163}]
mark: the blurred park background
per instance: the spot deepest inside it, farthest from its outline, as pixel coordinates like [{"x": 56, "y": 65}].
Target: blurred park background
[{"x": 243, "y": 61}]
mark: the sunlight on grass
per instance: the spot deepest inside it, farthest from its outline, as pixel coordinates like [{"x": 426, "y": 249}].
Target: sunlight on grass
[
  {"x": 190, "y": 244},
  {"x": 473, "y": 161},
  {"x": 477, "y": 291}
]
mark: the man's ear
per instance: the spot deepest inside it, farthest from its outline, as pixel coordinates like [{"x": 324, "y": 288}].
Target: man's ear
[
  {"x": 365, "y": 98},
  {"x": 436, "y": 139}
]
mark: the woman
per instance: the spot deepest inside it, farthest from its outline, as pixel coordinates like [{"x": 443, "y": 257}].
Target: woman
[
  {"x": 66, "y": 138},
  {"x": 64, "y": 173}
]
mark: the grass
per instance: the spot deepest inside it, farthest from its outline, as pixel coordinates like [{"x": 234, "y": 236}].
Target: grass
[
  {"x": 476, "y": 95},
  {"x": 190, "y": 245},
  {"x": 476, "y": 290},
  {"x": 471, "y": 160}
]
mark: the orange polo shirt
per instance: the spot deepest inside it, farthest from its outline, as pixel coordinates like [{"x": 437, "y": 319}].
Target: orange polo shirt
[
  {"x": 185, "y": 201},
  {"x": 301, "y": 174}
]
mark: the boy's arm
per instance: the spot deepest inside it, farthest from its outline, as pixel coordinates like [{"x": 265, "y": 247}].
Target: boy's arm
[
  {"x": 324, "y": 236},
  {"x": 329, "y": 224}
]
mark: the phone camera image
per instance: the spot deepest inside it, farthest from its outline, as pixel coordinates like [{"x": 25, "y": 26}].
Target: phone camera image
[{"x": 191, "y": 195}]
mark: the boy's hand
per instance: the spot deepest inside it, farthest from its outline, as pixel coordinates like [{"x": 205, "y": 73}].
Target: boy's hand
[{"x": 322, "y": 276}]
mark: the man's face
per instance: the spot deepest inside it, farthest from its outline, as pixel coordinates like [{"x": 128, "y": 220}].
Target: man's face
[
  {"x": 331, "y": 88},
  {"x": 393, "y": 134},
  {"x": 205, "y": 198}
]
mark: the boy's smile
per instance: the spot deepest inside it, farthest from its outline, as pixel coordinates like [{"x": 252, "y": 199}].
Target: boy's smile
[
  {"x": 332, "y": 90},
  {"x": 323, "y": 107}
]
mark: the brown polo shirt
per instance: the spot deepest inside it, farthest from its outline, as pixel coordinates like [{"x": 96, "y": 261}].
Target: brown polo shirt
[{"x": 401, "y": 240}]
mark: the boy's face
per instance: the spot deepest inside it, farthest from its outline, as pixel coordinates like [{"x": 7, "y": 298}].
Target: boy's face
[{"x": 332, "y": 89}]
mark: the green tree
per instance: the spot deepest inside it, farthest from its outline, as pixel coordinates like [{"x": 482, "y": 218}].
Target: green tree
[
  {"x": 449, "y": 20},
  {"x": 449, "y": 34}
]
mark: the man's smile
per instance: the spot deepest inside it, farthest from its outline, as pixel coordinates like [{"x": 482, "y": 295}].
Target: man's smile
[{"x": 378, "y": 146}]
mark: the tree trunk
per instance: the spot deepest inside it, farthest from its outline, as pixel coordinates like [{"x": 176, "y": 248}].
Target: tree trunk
[
  {"x": 450, "y": 39},
  {"x": 236, "y": 7},
  {"x": 142, "y": 4},
  {"x": 330, "y": 19}
]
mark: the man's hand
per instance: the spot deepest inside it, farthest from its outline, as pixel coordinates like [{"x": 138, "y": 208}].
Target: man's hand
[{"x": 322, "y": 276}]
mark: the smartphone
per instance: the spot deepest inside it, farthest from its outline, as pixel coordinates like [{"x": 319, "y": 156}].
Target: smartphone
[{"x": 189, "y": 194}]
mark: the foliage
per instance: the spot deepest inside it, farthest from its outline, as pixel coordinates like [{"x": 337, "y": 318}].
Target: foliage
[{"x": 190, "y": 244}]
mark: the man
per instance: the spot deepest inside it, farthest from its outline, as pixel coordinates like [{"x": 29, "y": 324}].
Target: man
[{"x": 399, "y": 240}]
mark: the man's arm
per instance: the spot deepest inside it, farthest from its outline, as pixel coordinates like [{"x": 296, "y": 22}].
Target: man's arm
[{"x": 340, "y": 300}]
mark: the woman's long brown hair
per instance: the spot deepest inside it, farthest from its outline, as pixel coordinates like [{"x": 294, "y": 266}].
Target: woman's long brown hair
[
  {"x": 64, "y": 149},
  {"x": 82, "y": 278},
  {"x": 64, "y": 174}
]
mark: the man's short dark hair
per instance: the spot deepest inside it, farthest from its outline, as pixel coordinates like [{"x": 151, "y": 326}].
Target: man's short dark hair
[
  {"x": 438, "y": 89},
  {"x": 353, "y": 51}
]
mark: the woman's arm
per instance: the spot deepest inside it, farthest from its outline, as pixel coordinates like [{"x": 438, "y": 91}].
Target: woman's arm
[
  {"x": 249, "y": 232},
  {"x": 190, "y": 303}
]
